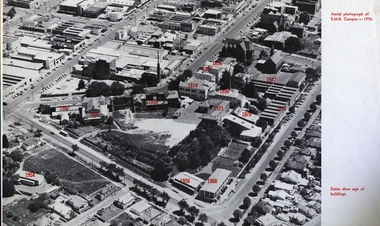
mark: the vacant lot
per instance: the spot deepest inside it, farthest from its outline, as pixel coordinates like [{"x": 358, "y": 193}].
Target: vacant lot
[
  {"x": 19, "y": 212},
  {"x": 71, "y": 174}
]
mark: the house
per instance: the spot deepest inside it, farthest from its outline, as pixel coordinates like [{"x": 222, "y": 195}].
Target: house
[
  {"x": 124, "y": 201},
  {"x": 289, "y": 188},
  {"x": 293, "y": 177},
  {"x": 94, "y": 108},
  {"x": 278, "y": 194},
  {"x": 309, "y": 212},
  {"x": 298, "y": 162},
  {"x": 272, "y": 65},
  {"x": 297, "y": 29},
  {"x": 268, "y": 220},
  {"x": 140, "y": 207},
  {"x": 30, "y": 143},
  {"x": 236, "y": 99},
  {"x": 278, "y": 39},
  {"x": 298, "y": 217}
]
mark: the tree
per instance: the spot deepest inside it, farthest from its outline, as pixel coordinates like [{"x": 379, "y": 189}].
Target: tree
[
  {"x": 8, "y": 188},
  {"x": 117, "y": 88},
  {"x": 318, "y": 98},
  {"x": 291, "y": 109},
  {"x": 287, "y": 143},
  {"x": 246, "y": 202},
  {"x": 75, "y": 148},
  {"x": 304, "y": 18},
  {"x": 81, "y": 84},
  {"x": 16, "y": 156},
  {"x": 110, "y": 120},
  {"x": 280, "y": 153},
  {"x": 298, "y": 142},
  {"x": 188, "y": 73},
  {"x": 301, "y": 123},
  {"x": 261, "y": 104},
  {"x": 263, "y": 177},
  {"x": 193, "y": 211},
  {"x": 249, "y": 220},
  {"x": 203, "y": 217},
  {"x": 165, "y": 197},
  {"x": 313, "y": 106},
  {"x": 237, "y": 214},
  {"x": 12, "y": 12},
  {"x": 225, "y": 80},
  {"x": 96, "y": 89},
  {"x": 222, "y": 224},
  {"x": 182, "y": 220},
  {"x": 262, "y": 123},
  {"x": 256, "y": 142},
  {"x": 263, "y": 54},
  {"x": 272, "y": 164},
  {"x": 293, "y": 44},
  {"x": 307, "y": 116},
  {"x": 256, "y": 188},
  {"x": 5, "y": 141},
  {"x": 183, "y": 205},
  {"x": 103, "y": 164},
  {"x": 294, "y": 134},
  {"x": 137, "y": 89},
  {"x": 238, "y": 68}
]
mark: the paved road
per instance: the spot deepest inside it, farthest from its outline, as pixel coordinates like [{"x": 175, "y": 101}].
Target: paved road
[
  {"x": 224, "y": 211},
  {"x": 216, "y": 47}
]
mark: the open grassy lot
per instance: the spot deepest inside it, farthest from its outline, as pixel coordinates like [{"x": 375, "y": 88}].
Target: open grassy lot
[
  {"x": 19, "y": 215},
  {"x": 71, "y": 174}
]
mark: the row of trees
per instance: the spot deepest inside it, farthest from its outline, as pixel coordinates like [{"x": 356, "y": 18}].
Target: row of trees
[
  {"x": 150, "y": 192},
  {"x": 112, "y": 170},
  {"x": 11, "y": 163},
  {"x": 96, "y": 89},
  {"x": 193, "y": 212}
]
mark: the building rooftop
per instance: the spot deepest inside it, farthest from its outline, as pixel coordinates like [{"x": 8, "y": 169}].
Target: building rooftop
[
  {"x": 221, "y": 175},
  {"x": 194, "y": 181}
]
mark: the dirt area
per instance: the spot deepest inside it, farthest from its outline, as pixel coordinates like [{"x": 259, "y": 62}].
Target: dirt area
[
  {"x": 71, "y": 174},
  {"x": 168, "y": 127}
]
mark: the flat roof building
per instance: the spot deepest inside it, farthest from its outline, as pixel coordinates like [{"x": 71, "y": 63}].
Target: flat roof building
[
  {"x": 187, "y": 182},
  {"x": 213, "y": 188}
]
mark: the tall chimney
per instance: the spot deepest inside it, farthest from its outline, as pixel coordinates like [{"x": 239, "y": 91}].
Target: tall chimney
[{"x": 158, "y": 66}]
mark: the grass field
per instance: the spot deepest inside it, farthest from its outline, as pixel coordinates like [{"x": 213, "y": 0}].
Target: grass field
[
  {"x": 71, "y": 173},
  {"x": 20, "y": 209}
]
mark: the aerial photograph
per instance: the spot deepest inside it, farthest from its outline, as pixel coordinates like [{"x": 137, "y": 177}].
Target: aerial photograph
[{"x": 161, "y": 112}]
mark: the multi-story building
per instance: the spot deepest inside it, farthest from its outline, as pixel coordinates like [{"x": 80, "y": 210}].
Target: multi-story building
[
  {"x": 196, "y": 89},
  {"x": 213, "y": 188}
]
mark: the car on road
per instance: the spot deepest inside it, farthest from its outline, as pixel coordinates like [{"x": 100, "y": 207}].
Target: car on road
[{"x": 52, "y": 133}]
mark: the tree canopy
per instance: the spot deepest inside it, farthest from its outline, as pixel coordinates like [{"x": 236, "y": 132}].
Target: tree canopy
[
  {"x": 8, "y": 188},
  {"x": 117, "y": 88},
  {"x": 5, "y": 141},
  {"x": 96, "y": 89}
]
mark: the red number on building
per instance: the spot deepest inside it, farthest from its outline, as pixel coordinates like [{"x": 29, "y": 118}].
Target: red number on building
[
  {"x": 185, "y": 180},
  {"x": 282, "y": 108},
  {"x": 29, "y": 174},
  {"x": 207, "y": 68},
  {"x": 224, "y": 91},
  {"x": 217, "y": 63},
  {"x": 94, "y": 114},
  {"x": 212, "y": 180},
  {"x": 64, "y": 108},
  {"x": 271, "y": 79},
  {"x": 193, "y": 85},
  {"x": 152, "y": 102},
  {"x": 246, "y": 114},
  {"x": 218, "y": 108}
]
